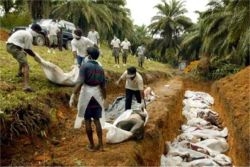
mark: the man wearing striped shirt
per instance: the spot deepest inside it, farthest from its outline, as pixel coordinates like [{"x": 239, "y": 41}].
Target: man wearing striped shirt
[{"x": 91, "y": 82}]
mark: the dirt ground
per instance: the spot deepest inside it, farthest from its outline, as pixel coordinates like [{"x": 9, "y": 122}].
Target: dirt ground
[{"x": 65, "y": 146}]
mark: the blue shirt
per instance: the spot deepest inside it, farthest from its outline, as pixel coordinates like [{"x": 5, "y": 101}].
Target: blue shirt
[{"x": 92, "y": 74}]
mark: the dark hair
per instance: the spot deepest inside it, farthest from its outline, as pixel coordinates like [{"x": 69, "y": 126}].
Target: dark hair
[
  {"x": 93, "y": 52},
  {"x": 131, "y": 70},
  {"x": 78, "y": 32},
  {"x": 36, "y": 27}
]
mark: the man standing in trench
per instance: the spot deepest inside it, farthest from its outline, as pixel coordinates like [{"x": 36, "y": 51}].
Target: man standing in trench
[
  {"x": 91, "y": 82},
  {"x": 133, "y": 87}
]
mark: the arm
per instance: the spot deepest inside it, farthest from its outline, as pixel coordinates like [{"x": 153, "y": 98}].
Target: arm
[
  {"x": 122, "y": 76},
  {"x": 75, "y": 91},
  {"x": 74, "y": 54},
  {"x": 30, "y": 52},
  {"x": 77, "y": 88},
  {"x": 104, "y": 93}
]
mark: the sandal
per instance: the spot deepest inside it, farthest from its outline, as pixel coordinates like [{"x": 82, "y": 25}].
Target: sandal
[
  {"x": 28, "y": 89},
  {"x": 90, "y": 148},
  {"x": 19, "y": 75},
  {"x": 99, "y": 147}
]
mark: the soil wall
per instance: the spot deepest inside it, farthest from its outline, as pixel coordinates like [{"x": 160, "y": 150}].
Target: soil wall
[{"x": 232, "y": 96}]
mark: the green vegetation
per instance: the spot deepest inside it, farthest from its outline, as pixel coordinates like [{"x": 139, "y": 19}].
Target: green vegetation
[
  {"x": 11, "y": 94},
  {"x": 221, "y": 35}
]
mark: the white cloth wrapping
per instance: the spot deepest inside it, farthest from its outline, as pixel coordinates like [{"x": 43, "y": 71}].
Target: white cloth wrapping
[
  {"x": 201, "y": 141},
  {"x": 56, "y": 75},
  {"x": 117, "y": 135},
  {"x": 85, "y": 95}
]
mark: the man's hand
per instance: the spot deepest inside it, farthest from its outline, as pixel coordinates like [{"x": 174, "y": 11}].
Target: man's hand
[
  {"x": 142, "y": 105},
  {"x": 71, "y": 101},
  {"x": 117, "y": 82},
  {"x": 37, "y": 59}
]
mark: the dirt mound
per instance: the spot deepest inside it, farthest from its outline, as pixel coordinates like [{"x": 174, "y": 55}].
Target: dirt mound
[
  {"x": 4, "y": 35},
  {"x": 233, "y": 96}
]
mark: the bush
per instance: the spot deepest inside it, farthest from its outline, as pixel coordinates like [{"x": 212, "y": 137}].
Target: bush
[{"x": 14, "y": 19}]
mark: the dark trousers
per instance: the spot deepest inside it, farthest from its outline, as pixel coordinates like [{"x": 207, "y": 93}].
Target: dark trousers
[{"x": 129, "y": 96}]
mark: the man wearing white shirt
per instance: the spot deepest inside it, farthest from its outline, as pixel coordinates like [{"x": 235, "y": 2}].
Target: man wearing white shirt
[
  {"x": 93, "y": 35},
  {"x": 79, "y": 46},
  {"x": 52, "y": 35},
  {"x": 116, "y": 49},
  {"x": 141, "y": 55},
  {"x": 20, "y": 43},
  {"x": 133, "y": 87},
  {"x": 125, "y": 50}
]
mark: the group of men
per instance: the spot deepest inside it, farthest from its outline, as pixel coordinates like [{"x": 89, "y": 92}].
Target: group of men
[
  {"x": 91, "y": 81},
  {"x": 125, "y": 48}
]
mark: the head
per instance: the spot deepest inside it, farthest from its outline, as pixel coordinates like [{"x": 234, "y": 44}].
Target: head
[
  {"x": 131, "y": 72},
  {"x": 93, "y": 53},
  {"x": 126, "y": 39},
  {"x": 77, "y": 33},
  {"x": 92, "y": 28},
  {"x": 35, "y": 29}
]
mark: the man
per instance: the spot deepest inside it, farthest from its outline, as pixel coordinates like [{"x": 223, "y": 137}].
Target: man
[
  {"x": 134, "y": 124},
  {"x": 116, "y": 49},
  {"x": 125, "y": 50},
  {"x": 53, "y": 30},
  {"x": 141, "y": 55},
  {"x": 79, "y": 46},
  {"x": 133, "y": 86},
  {"x": 93, "y": 35},
  {"x": 91, "y": 81},
  {"x": 20, "y": 43}
]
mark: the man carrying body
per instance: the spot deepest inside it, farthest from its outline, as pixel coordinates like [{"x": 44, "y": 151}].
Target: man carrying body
[
  {"x": 79, "y": 46},
  {"x": 125, "y": 50},
  {"x": 20, "y": 43}
]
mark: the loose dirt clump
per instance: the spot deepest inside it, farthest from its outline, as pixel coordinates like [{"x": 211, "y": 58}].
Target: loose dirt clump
[{"x": 4, "y": 35}]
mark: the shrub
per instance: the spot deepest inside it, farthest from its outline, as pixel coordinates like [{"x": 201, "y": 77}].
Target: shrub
[{"x": 15, "y": 19}]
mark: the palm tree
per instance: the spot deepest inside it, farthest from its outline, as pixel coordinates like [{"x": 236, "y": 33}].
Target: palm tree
[
  {"x": 169, "y": 23},
  {"x": 191, "y": 43},
  {"x": 121, "y": 23},
  {"x": 38, "y": 8},
  {"x": 84, "y": 13},
  {"x": 226, "y": 30}
]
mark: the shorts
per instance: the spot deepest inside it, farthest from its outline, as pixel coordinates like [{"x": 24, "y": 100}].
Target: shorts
[
  {"x": 141, "y": 59},
  {"x": 116, "y": 52},
  {"x": 18, "y": 53},
  {"x": 53, "y": 40},
  {"x": 80, "y": 60},
  {"x": 125, "y": 53},
  {"x": 93, "y": 110}
]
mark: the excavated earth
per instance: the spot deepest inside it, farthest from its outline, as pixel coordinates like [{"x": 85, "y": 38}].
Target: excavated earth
[{"x": 65, "y": 146}]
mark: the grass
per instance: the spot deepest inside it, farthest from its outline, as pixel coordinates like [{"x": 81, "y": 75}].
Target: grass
[{"x": 11, "y": 94}]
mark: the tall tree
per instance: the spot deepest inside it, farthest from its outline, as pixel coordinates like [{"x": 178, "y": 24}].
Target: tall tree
[
  {"x": 38, "y": 8},
  {"x": 226, "y": 30},
  {"x": 169, "y": 23}
]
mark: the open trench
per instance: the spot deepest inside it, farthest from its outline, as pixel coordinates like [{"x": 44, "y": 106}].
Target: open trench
[{"x": 165, "y": 120}]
